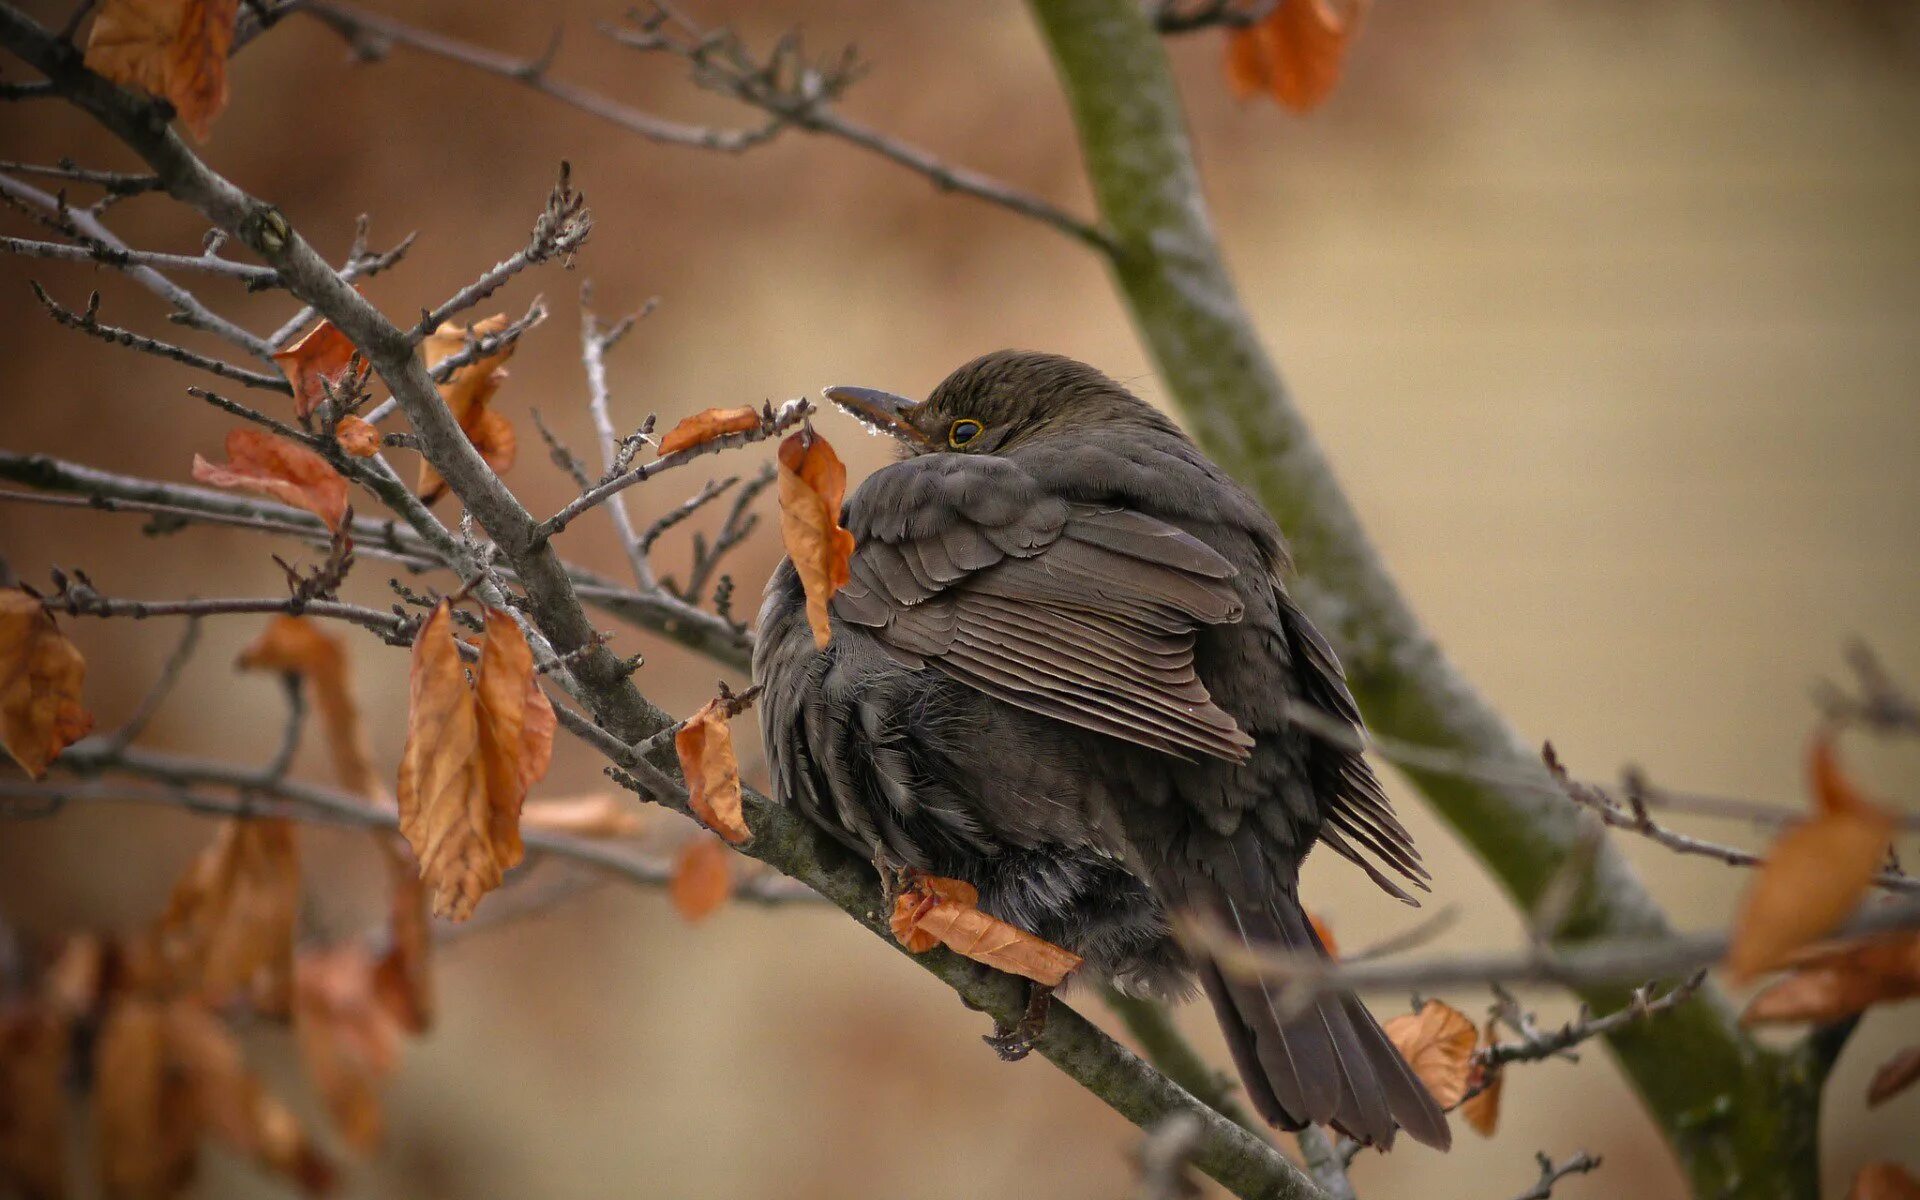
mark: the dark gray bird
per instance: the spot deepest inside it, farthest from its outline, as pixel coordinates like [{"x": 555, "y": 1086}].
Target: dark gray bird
[{"x": 1062, "y": 671}]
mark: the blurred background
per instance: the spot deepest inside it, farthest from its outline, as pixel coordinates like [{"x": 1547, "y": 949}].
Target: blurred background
[{"x": 1606, "y": 313}]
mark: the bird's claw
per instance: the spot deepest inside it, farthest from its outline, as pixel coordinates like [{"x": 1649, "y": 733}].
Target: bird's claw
[{"x": 1014, "y": 1042}]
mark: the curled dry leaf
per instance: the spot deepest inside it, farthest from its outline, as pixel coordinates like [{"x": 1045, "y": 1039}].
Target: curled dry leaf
[
  {"x": 467, "y": 393},
  {"x": 1832, "y": 984},
  {"x": 600, "y": 815},
  {"x": 174, "y": 49},
  {"x": 704, "y": 426},
  {"x": 40, "y": 680},
  {"x": 813, "y": 483},
  {"x": 705, "y": 745},
  {"x": 33, "y": 1100},
  {"x": 147, "y": 1126},
  {"x": 1438, "y": 1043},
  {"x": 403, "y": 978},
  {"x": 300, "y": 646},
  {"x": 938, "y": 911},
  {"x": 228, "y": 929},
  {"x": 349, "y": 1042},
  {"x": 236, "y": 1108},
  {"x": 314, "y": 363},
  {"x": 1815, "y": 874},
  {"x": 702, "y": 877},
  {"x": 1295, "y": 54},
  {"x": 357, "y": 437},
  {"x": 286, "y": 471},
  {"x": 1884, "y": 1181},
  {"x": 1894, "y": 1076}
]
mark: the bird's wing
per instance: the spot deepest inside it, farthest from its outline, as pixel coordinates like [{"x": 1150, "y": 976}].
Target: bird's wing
[{"x": 1084, "y": 613}]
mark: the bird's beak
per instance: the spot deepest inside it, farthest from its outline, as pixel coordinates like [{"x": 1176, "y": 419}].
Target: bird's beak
[{"x": 881, "y": 411}]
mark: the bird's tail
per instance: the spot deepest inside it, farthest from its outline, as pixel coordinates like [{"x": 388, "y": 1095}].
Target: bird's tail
[{"x": 1329, "y": 1063}]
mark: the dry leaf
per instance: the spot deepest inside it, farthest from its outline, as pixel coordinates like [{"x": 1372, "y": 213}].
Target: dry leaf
[
  {"x": 1815, "y": 874},
  {"x": 1884, "y": 1181},
  {"x": 357, "y": 437},
  {"x": 1828, "y": 985},
  {"x": 40, "y": 680},
  {"x": 466, "y": 394},
  {"x": 944, "y": 910},
  {"x": 1438, "y": 1043},
  {"x": 704, "y": 426},
  {"x": 403, "y": 978},
  {"x": 314, "y": 363},
  {"x": 286, "y": 471},
  {"x": 702, "y": 877},
  {"x": 300, "y": 646},
  {"x": 232, "y": 1102},
  {"x": 145, "y": 1116},
  {"x": 174, "y": 49},
  {"x": 600, "y": 815},
  {"x": 1894, "y": 1076},
  {"x": 349, "y": 1043},
  {"x": 1295, "y": 54},
  {"x": 705, "y": 745},
  {"x": 1481, "y": 1108},
  {"x": 33, "y": 1101},
  {"x": 228, "y": 929},
  {"x": 813, "y": 482}
]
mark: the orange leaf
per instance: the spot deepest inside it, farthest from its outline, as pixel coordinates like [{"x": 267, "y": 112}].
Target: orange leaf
[
  {"x": 228, "y": 929},
  {"x": 702, "y": 877},
  {"x": 516, "y": 731},
  {"x": 1815, "y": 874},
  {"x": 236, "y": 1108},
  {"x": 1833, "y": 984},
  {"x": 312, "y": 364},
  {"x": 1884, "y": 1181},
  {"x": 1894, "y": 1076},
  {"x": 357, "y": 437},
  {"x": 1482, "y": 1107},
  {"x": 174, "y": 49},
  {"x": 1295, "y": 54},
  {"x": 944, "y": 910},
  {"x": 1325, "y": 933},
  {"x": 273, "y": 466},
  {"x": 33, "y": 1100},
  {"x": 705, "y": 745},
  {"x": 706, "y": 425},
  {"x": 403, "y": 979},
  {"x": 466, "y": 394},
  {"x": 1438, "y": 1043},
  {"x": 813, "y": 482},
  {"x": 599, "y": 815},
  {"x": 348, "y": 1041},
  {"x": 40, "y": 679},
  {"x": 147, "y": 1126},
  {"x": 299, "y": 646}
]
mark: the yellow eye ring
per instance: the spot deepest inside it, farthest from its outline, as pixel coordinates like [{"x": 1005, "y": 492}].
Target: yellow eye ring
[{"x": 962, "y": 431}]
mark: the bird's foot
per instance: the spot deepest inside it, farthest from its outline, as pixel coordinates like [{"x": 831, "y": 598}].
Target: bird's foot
[
  {"x": 895, "y": 877},
  {"x": 1014, "y": 1042}
]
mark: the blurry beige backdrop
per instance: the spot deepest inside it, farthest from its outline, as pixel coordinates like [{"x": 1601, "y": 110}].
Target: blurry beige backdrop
[{"x": 1607, "y": 314}]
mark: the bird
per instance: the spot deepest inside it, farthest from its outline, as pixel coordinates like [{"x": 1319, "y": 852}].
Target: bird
[{"x": 1063, "y": 669}]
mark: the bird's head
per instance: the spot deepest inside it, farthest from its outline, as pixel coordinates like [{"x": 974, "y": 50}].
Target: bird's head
[{"x": 1001, "y": 401}]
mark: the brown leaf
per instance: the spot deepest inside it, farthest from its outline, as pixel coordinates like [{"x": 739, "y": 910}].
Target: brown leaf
[
  {"x": 1828, "y": 985},
  {"x": 357, "y": 437},
  {"x": 702, "y": 877},
  {"x": 237, "y": 1109},
  {"x": 303, "y": 647},
  {"x": 944, "y": 910},
  {"x": 1884, "y": 1181},
  {"x": 705, "y": 745},
  {"x": 1438, "y": 1043},
  {"x": 516, "y": 731},
  {"x": 40, "y": 680},
  {"x": 599, "y": 815},
  {"x": 349, "y": 1043},
  {"x": 174, "y": 49},
  {"x": 403, "y": 978},
  {"x": 33, "y": 1101},
  {"x": 1815, "y": 874},
  {"x": 706, "y": 425},
  {"x": 228, "y": 929},
  {"x": 1894, "y": 1076},
  {"x": 273, "y": 466},
  {"x": 312, "y": 364},
  {"x": 813, "y": 483},
  {"x": 146, "y": 1119},
  {"x": 1294, "y": 55},
  {"x": 1481, "y": 1108},
  {"x": 466, "y": 393}
]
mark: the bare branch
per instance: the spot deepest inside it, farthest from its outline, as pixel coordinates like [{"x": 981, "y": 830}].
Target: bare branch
[
  {"x": 169, "y": 675},
  {"x": 594, "y": 343},
  {"x": 87, "y": 322},
  {"x": 1552, "y": 1173},
  {"x": 207, "y": 263},
  {"x": 1191, "y": 16},
  {"x": 1537, "y": 1046},
  {"x": 560, "y": 229},
  {"x": 114, "y": 182}
]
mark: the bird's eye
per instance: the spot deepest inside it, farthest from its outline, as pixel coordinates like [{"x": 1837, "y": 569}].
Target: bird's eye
[{"x": 963, "y": 432}]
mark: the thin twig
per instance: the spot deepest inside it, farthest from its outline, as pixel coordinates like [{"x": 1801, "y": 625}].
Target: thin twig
[
  {"x": 1535, "y": 1045},
  {"x": 1552, "y": 1173},
  {"x": 593, "y": 356},
  {"x": 86, "y": 322},
  {"x": 169, "y": 675},
  {"x": 209, "y": 264}
]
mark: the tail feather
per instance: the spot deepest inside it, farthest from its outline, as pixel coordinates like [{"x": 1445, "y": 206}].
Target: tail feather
[{"x": 1330, "y": 1064}]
